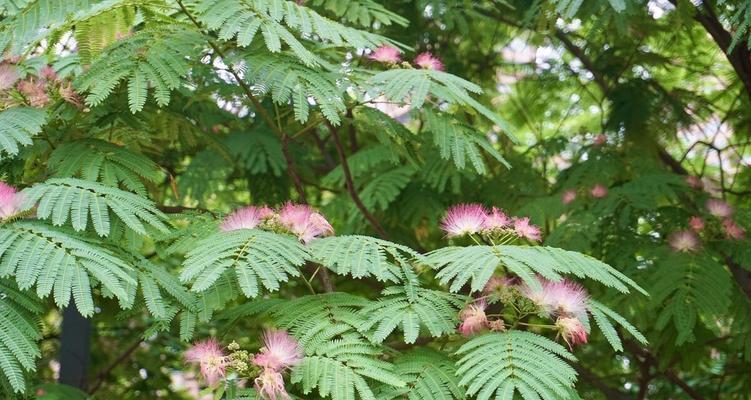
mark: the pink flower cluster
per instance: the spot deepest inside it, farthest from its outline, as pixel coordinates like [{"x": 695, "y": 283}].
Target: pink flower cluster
[
  {"x": 300, "y": 220},
  {"x": 469, "y": 219},
  {"x": 280, "y": 352},
  {"x": 572, "y": 330},
  {"x": 567, "y": 302},
  {"x": 10, "y": 201},
  {"x": 473, "y": 318},
  {"x": 684, "y": 241},
  {"x": 391, "y": 55},
  {"x": 36, "y": 89},
  {"x": 558, "y": 298},
  {"x": 724, "y": 211},
  {"x": 688, "y": 240},
  {"x": 597, "y": 191},
  {"x": 563, "y": 300},
  {"x": 211, "y": 359}
]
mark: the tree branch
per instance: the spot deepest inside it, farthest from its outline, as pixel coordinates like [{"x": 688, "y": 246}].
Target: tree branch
[
  {"x": 103, "y": 374},
  {"x": 351, "y": 185},
  {"x": 596, "y": 381},
  {"x": 739, "y": 57},
  {"x": 258, "y": 107}
]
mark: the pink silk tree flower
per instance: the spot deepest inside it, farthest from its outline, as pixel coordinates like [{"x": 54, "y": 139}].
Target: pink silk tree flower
[
  {"x": 694, "y": 182},
  {"x": 8, "y": 75},
  {"x": 600, "y": 140},
  {"x": 245, "y": 218},
  {"x": 210, "y": 357},
  {"x": 34, "y": 92},
  {"x": 280, "y": 351},
  {"x": 558, "y": 298},
  {"x": 68, "y": 94},
  {"x": 572, "y": 330},
  {"x": 696, "y": 224},
  {"x": 719, "y": 208},
  {"x": 496, "y": 220},
  {"x": 684, "y": 241},
  {"x": 386, "y": 54},
  {"x": 568, "y": 196},
  {"x": 473, "y": 318},
  {"x": 464, "y": 219},
  {"x": 525, "y": 229},
  {"x": 733, "y": 230},
  {"x": 10, "y": 201},
  {"x": 269, "y": 385},
  {"x": 48, "y": 73},
  {"x": 428, "y": 61},
  {"x": 497, "y": 283},
  {"x": 302, "y": 221},
  {"x": 598, "y": 191}
]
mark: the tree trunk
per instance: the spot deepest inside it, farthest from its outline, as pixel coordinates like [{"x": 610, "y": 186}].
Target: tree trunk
[{"x": 74, "y": 348}]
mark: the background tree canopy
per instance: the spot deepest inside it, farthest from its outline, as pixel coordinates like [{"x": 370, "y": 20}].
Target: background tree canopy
[{"x": 365, "y": 199}]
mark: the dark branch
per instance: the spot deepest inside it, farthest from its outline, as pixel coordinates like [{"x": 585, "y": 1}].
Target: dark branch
[
  {"x": 103, "y": 374},
  {"x": 351, "y": 185}
]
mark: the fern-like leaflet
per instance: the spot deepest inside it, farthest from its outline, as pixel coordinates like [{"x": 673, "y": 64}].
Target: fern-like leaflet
[
  {"x": 339, "y": 360},
  {"x": 59, "y": 199},
  {"x": 288, "y": 81},
  {"x": 276, "y": 20},
  {"x": 18, "y": 126},
  {"x": 363, "y": 256},
  {"x": 251, "y": 255},
  {"x": 57, "y": 262},
  {"x": 703, "y": 292},
  {"x": 459, "y": 265},
  {"x": 153, "y": 58},
  {"x": 97, "y": 160},
  {"x": 362, "y": 12},
  {"x": 411, "y": 306},
  {"x": 501, "y": 364},
  {"x": 19, "y": 333},
  {"x": 458, "y": 142},
  {"x": 430, "y": 375},
  {"x": 415, "y": 85}
]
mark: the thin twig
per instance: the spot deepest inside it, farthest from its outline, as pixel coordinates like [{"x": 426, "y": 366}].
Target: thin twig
[
  {"x": 103, "y": 374},
  {"x": 258, "y": 107},
  {"x": 351, "y": 185}
]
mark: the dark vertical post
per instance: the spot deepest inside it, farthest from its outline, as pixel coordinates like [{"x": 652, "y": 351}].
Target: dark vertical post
[{"x": 74, "y": 348}]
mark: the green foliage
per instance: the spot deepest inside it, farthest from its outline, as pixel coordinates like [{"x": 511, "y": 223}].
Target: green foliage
[
  {"x": 248, "y": 255},
  {"x": 165, "y": 115},
  {"x": 153, "y": 58},
  {"x": 288, "y": 81},
  {"x": 362, "y": 12},
  {"x": 18, "y": 126},
  {"x": 410, "y": 307},
  {"x": 417, "y": 84},
  {"x": 523, "y": 362},
  {"x": 457, "y": 265},
  {"x": 430, "y": 375},
  {"x": 19, "y": 333},
  {"x": 58, "y": 263},
  {"x": 278, "y": 21},
  {"x": 58, "y": 199},
  {"x": 97, "y": 160},
  {"x": 339, "y": 361},
  {"x": 458, "y": 142},
  {"x": 689, "y": 289},
  {"x": 603, "y": 315},
  {"x": 25, "y": 27},
  {"x": 363, "y": 256},
  {"x": 98, "y": 31}
]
